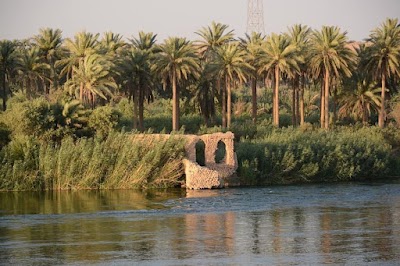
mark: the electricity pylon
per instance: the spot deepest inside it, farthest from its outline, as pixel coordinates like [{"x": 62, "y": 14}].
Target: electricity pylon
[{"x": 255, "y": 17}]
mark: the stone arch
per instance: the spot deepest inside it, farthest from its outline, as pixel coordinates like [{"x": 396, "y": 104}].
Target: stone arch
[
  {"x": 220, "y": 152},
  {"x": 200, "y": 148}
]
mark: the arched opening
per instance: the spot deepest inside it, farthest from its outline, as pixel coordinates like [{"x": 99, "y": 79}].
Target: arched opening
[
  {"x": 220, "y": 153},
  {"x": 200, "y": 153}
]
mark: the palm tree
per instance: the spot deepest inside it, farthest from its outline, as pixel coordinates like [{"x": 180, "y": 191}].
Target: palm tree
[
  {"x": 175, "y": 62},
  {"x": 8, "y": 58},
  {"x": 145, "y": 42},
  {"x": 383, "y": 58},
  {"x": 83, "y": 44},
  {"x": 91, "y": 79},
  {"x": 212, "y": 38},
  {"x": 231, "y": 66},
  {"x": 280, "y": 57},
  {"x": 111, "y": 44},
  {"x": 49, "y": 42},
  {"x": 253, "y": 45},
  {"x": 139, "y": 61},
  {"x": 298, "y": 35},
  {"x": 137, "y": 81},
  {"x": 360, "y": 98},
  {"x": 330, "y": 57},
  {"x": 32, "y": 70}
]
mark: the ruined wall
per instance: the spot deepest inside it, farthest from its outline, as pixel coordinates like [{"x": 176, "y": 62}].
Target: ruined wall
[{"x": 213, "y": 174}]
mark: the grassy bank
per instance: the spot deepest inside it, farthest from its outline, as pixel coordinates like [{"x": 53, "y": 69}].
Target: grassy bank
[
  {"x": 121, "y": 161},
  {"x": 286, "y": 156}
]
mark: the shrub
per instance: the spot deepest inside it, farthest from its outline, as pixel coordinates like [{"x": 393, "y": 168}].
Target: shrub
[{"x": 291, "y": 155}]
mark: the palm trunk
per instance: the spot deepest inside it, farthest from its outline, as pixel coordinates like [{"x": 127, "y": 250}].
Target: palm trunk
[
  {"x": 4, "y": 91},
  {"x": 297, "y": 103},
  {"x": 381, "y": 118},
  {"x": 141, "y": 110},
  {"x": 276, "y": 98},
  {"x": 364, "y": 114},
  {"x": 334, "y": 105},
  {"x": 301, "y": 103},
  {"x": 223, "y": 111},
  {"x": 175, "y": 104},
  {"x": 254, "y": 99},
  {"x": 294, "y": 114},
  {"x": 229, "y": 102},
  {"x": 81, "y": 92},
  {"x": 322, "y": 103},
  {"x": 135, "y": 109},
  {"x": 326, "y": 99}
]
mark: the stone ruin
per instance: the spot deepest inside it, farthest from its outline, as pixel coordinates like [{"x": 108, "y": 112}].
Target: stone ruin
[{"x": 213, "y": 174}]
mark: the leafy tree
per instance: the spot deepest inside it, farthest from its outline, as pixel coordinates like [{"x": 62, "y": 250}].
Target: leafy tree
[
  {"x": 175, "y": 62},
  {"x": 231, "y": 66},
  {"x": 330, "y": 57},
  {"x": 383, "y": 59},
  {"x": 8, "y": 60},
  {"x": 280, "y": 57}
]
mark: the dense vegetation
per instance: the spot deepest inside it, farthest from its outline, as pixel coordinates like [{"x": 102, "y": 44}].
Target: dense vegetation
[{"x": 71, "y": 107}]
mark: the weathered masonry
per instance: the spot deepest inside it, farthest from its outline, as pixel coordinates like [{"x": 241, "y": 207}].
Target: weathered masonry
[
  {"x": 209, "y": 171},
  {"x": 213, "y": 174}
]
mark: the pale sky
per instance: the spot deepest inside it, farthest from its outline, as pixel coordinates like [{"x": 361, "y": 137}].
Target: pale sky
[{"x": 23, "y": 18}]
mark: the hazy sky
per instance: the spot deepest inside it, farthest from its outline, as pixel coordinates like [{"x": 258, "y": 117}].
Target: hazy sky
[{"x": 23, "y": 18}]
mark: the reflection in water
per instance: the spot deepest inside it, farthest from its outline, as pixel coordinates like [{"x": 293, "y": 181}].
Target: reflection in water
[{"x": 352, "y": 224}]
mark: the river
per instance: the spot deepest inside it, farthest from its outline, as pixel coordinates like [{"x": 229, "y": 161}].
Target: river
[{"x": 355, "y": 224}]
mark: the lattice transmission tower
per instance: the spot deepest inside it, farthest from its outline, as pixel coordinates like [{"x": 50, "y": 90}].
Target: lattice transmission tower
[{"x": 255, "y": 16}]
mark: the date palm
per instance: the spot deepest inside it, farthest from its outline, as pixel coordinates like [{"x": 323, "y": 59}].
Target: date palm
[
  {"x": 280, "y": 57},
  {"x": 49, "y": 42},
  {"x": 111, "y": 44},
  {"x": 146, "y": 41},
  {"x": 91, "y": 79},
  {"x": 175, "y": 62},
  {"x": 139, "y": 61},
  {"x": 298, "y": 35},
  {"x": 137, "y": 81},
  {"x": 32, "y": 71},
  {"x": 330, "y": 58},
  {"x": 8, "y": 59},
  {"x": 232, "y": 67},
  {"x": 253, "y": 46},
  {"x": 212, "y": 38},
  {"x": 77, "y": 49},
  {"x": 83, "y": 44},
  {"x": 360, "y": 98},
  {"x": 383, "y": 58}
]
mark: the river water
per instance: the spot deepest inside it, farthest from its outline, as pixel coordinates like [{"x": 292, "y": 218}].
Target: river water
[{"x": 354, "y": 224}]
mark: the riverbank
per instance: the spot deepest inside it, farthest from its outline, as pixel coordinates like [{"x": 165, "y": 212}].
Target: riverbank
[{"x": 272, "y": 157}]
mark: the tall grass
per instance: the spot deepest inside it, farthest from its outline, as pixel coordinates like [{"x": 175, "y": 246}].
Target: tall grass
[
  {"x": 285, "y": 156},
  {"x": 121, "y": 161}
]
